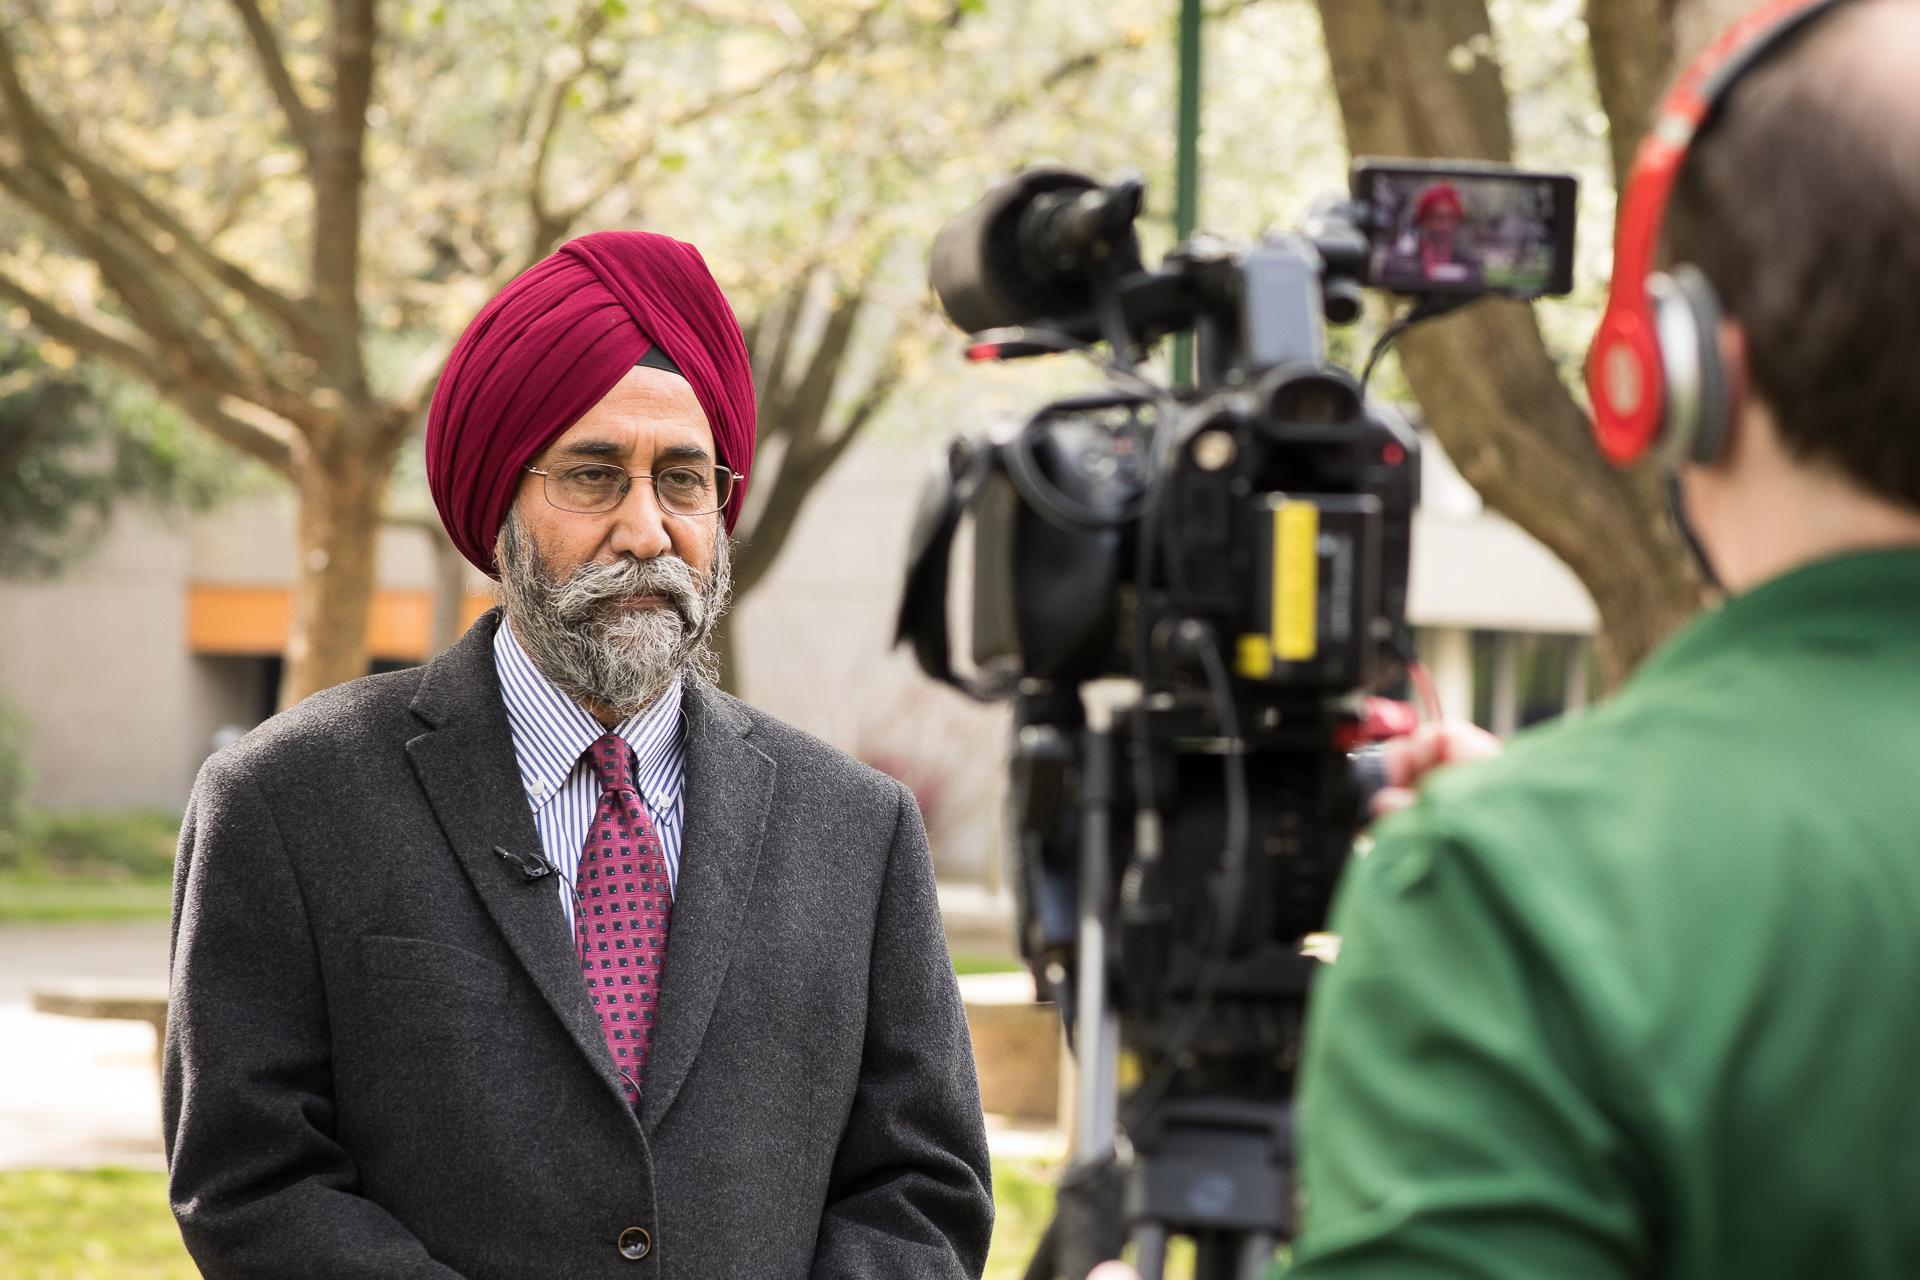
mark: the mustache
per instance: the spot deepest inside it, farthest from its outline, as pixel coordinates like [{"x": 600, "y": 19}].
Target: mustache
[{"x": 594, "y": 585}]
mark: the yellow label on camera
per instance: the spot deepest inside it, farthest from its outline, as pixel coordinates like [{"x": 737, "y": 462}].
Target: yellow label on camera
[
  {"x": 1296, "y": 585},
  {"x": 1255, "y": 659}
]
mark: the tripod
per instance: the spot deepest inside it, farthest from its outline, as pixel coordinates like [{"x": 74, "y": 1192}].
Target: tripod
[
  {"x": 1218, "y": 1171},
  {"x": 1210, "y": 1164}
]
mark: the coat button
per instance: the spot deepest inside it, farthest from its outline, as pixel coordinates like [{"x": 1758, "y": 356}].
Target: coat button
[{"x": 635, "y": 1244}]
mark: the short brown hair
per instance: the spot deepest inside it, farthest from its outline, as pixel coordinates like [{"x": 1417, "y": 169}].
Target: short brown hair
[{"x": 1801, "y": 204}]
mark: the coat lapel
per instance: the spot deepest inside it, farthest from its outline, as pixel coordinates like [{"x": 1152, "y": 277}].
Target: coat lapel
[
  {"x": 466, "y": 765},
  {"x": 729, "y": 788}
]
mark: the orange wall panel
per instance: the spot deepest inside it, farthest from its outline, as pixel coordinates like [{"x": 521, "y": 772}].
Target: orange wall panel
[{"x": 255, "y": 620}]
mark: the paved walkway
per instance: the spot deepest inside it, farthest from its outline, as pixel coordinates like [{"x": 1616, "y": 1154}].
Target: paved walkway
[{"x": 76, "y": 1093}]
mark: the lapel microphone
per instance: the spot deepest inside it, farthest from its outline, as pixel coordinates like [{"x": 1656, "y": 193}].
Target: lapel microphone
[{"x": 532, "y": 866}]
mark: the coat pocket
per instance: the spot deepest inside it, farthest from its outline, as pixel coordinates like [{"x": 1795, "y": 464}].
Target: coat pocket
[{"x": 438, "y": 963}]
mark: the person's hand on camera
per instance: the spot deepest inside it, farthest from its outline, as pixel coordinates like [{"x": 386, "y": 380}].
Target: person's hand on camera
[
  {"x": 1113, "y": 1271},
  {"x": 1410, "y": 759}
]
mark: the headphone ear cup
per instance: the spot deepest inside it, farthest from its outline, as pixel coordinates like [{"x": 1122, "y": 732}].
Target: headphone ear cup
[{"x": 1698, "y": 395}]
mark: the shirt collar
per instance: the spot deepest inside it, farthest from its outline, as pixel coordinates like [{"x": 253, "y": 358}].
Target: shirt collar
[
  {"x": 1860, "y": 598},
  {"x": 551, "y": 731},
  {"x": 656, "y": 734}
]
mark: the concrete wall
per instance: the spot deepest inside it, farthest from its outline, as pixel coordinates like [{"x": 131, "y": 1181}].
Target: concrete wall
[
  {"x": 251, "y": 543},
  {"x": 98, "y": 665},
  {"x": 816, "y": 649},
  {"x": 1475, "y": 570},
  {"x": 102, "y": 652}
]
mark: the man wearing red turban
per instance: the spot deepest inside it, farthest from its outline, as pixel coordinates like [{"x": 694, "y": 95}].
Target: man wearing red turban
[
  {"x": 1437, "y": 216},
  {"x": 548, "y": 958}
]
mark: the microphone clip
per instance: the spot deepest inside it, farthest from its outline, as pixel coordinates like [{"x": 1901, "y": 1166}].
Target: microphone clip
[{"x": 532, "y": 867}]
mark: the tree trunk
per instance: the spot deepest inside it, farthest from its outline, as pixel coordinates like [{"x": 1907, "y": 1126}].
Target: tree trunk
[
  {"x": 1489, "y": 387},
  {"x": 341, "y": 488},
  {"x": 1632, "y": 46},
  {"x": 449, "y": 587}
]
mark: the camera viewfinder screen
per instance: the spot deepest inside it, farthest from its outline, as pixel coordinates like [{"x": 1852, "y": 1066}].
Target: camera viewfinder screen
[{"x": 1461, "y": 232}]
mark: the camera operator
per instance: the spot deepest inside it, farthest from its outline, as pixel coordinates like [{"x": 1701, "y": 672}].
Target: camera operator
[{"x": 1639, "y": 997}]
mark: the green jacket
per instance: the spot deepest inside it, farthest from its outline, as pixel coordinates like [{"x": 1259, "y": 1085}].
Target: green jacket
[{"x": 1642, "y": 997}]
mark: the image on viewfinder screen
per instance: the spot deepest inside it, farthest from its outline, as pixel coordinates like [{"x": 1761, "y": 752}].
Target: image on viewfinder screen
[{"x": 1463, "y": 233}]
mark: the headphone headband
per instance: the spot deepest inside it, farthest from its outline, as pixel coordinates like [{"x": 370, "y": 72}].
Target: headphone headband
[{"x": 1626, "y": 378}]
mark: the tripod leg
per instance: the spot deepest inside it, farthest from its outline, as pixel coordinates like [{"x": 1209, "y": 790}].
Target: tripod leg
[
  {"x": 1150, "y": 1250},
  {"x": 1256, "y": 1256},
  {"x": 1040, "y": 1265}
]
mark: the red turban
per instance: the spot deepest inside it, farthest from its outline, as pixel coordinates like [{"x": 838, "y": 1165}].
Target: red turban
[
  {"x": 1441, "y": 195},
  {"x": 552, "y": 344}
]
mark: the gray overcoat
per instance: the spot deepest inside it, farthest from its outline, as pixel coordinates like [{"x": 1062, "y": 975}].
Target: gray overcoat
[{"x": 382, "y": 1061}]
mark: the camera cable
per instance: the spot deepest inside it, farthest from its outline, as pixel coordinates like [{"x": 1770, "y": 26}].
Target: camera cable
[
  {"x": 1426, "y": 307},
  {"x": 1229, "y": 885}
]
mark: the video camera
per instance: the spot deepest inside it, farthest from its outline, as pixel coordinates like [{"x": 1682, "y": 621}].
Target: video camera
[{"x": 1194, "y": 598}]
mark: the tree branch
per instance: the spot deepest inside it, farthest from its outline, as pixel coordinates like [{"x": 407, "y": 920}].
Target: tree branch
[
  {"x": 1089, "y": 60},
  {"x": 273, "y": 65},
  {"x": 770, "y": 375},
  {"x": 806, "y": 406},
  {"x": 1485, "y": 378},
  {"x": 135, "y": 270},
  {"x": 124, "y": 268},
  {"x": 94, "y": 336},
  {"x": 339, "y": 176},
  {"x": 621, "y": 170},
  {"x": 548, "y": 226},
  {"x": 243, "y": 426},
  {"x": 58, "y": 160},
  {"x": 1632, "y": 46},
  {"x": 803, "y": 466},
  {"x": 751, "y": 16}
]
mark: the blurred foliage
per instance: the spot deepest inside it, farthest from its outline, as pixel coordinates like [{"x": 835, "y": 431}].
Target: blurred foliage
[
  {"x": 75, "y": 443},
  {"x": 812, "y": 144},
  {"x": 817, "y": 134},
  {"x": 135, "y": 845},
  {"x": 829, "y": 135}
]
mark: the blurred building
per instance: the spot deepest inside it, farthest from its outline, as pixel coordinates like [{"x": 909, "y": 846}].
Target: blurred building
[{"x": 168, "y": 640}]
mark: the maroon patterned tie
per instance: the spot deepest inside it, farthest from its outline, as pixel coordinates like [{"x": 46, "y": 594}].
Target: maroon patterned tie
[{"x": 623, "y": 912}]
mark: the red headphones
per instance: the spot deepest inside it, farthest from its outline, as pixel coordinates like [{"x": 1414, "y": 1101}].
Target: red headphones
[{"x": 1654, "y": 372}]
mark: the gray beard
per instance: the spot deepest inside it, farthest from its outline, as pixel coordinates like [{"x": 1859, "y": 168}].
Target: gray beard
[{"x": 609, "y": 658}]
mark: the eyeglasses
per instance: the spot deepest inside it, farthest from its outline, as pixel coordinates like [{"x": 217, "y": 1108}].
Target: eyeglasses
[{"x": 686, "y": 489}]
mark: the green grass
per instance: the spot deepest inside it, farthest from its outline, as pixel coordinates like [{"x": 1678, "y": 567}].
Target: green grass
[
  {"x": 62, "y": 867},
  {"x": 32, "y": 898},
  {"x": 91, "y": 846},
  {"x": 113, "y": 1224},
  {"x": 87, "y": 866},
  {"x": 966, "y": 962},
  {"x": 1022, "y": 1204}
]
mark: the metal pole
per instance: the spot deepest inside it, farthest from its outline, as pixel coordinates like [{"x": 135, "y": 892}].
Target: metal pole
[
  {"x": 1186, "y": 206},
  {"x": 1097, "y": 1033}
]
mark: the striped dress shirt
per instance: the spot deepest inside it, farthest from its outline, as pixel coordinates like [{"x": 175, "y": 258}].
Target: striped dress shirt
[{"x": 551, "y": 733}]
